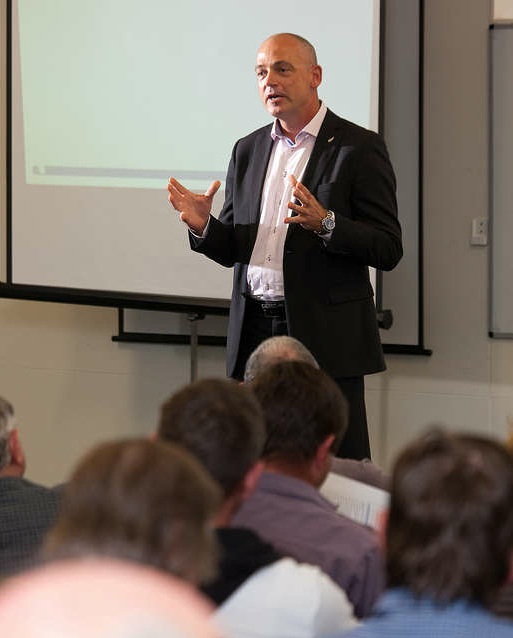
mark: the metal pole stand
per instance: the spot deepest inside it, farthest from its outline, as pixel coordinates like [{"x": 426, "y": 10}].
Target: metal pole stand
[{"x": 193, "y": 318}]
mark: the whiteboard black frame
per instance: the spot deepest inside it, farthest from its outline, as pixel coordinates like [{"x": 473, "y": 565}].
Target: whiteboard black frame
[{"x": 499, "y": 259}]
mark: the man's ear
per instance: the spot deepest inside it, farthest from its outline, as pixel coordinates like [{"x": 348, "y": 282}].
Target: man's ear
[
  {"x": 316, "y": 75},
  {"x": 249, "y": 482},
  {"x": 17, "y": 464},
  {"x": 321, "y": 463},
  {"x": 323, "y": 454}
]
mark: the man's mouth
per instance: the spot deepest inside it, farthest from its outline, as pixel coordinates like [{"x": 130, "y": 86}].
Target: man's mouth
[{"x": 274, "y": 98}]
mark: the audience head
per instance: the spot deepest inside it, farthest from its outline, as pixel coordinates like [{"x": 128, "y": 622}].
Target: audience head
[
  {"x": 221, "y": 423},
  {"x": 274, "y": 350},
  {"x": 449, "y": 533},
  {"x": 12, "y": 457},
  {"x": 304, "y": 410},
  {"x": 139, "y": 500},
  {"x": 87, "y": 599}
]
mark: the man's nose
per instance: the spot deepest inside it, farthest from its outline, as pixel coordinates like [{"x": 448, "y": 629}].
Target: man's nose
[{"x": 270, "y": 78}]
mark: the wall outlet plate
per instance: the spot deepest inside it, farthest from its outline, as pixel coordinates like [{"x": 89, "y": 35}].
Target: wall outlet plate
[{"x": 479, "y": 236}]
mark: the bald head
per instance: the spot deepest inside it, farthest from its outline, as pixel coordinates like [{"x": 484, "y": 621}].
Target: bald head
[
  {"x": 274, "y": 350},
  {"x": 294, "y": 40},
  {"x": 92, "y": 598}
]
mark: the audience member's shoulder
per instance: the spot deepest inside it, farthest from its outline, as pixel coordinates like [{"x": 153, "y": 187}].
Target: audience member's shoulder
[
  {"x": 313, "y": 606},
  {"x": 20, "y": 487}
]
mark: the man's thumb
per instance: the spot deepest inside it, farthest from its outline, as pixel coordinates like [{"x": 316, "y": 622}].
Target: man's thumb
[{"x": 213, "y": 188}]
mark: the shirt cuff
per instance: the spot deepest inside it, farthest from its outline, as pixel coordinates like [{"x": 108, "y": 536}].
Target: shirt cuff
[{"x": 203, "y": 234}]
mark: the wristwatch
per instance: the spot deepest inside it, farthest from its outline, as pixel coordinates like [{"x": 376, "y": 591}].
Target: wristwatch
[{"x": 327, "y": 223}]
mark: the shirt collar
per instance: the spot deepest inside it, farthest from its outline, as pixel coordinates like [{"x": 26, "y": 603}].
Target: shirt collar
[
  {"x": 312, "y": 128},
  {"x": 278, "y": 483}
]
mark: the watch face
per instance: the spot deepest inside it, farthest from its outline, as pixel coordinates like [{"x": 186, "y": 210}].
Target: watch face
[{"x": 328, "y": 223}]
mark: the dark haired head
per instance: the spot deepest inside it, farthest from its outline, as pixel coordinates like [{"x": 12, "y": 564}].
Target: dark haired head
[
  {"x": 302, "y": 407},
  {"x": 149, "y": 502},
  {"x": 221, "y": 423},
  {"x": 450, "y": 527}
]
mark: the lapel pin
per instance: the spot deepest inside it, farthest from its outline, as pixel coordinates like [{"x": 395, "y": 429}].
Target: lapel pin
[{"x": 331, "y": 139}]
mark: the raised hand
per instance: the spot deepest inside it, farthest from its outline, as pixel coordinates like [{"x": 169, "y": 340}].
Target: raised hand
[{"x": 194, "y": 209}]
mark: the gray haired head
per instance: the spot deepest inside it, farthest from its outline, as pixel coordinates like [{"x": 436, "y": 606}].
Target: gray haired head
[
  {"x": 6, "y": 426},
  {"x": 274, "y": 350}
]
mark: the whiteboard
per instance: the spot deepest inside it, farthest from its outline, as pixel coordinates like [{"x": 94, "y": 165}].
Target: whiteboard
[{"x": 501, "y": 181}]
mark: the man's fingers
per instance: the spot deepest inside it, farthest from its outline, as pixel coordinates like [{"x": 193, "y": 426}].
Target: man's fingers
[
  {"x": 174, "y": 184},
  {"x": 300, "y": 193},
  {"x": 213, "y": 188},
  {"x": 292, "y": 180}
]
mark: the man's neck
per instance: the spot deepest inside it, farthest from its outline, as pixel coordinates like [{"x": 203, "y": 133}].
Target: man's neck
[
  {"x": 291, "y": 127},
  {"x": 301, "y": 471},
  {"x": 226, "y": 512}
]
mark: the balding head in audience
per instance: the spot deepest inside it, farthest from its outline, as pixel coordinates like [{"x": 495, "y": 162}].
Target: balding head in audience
[
  {"x": 102, "y": 598},
  {"x": 274, "y": 350}
]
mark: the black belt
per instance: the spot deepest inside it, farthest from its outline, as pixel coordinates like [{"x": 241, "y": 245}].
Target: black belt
[{"x": 267, "y": 308}]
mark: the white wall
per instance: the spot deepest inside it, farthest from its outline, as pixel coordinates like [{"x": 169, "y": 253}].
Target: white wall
[
  {"x": 503, "y": 9},
  {"x": 468, "y": 381},
  {"x": 71, "y": 385}
]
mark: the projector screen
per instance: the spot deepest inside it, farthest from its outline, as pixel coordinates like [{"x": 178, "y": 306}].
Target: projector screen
[
  {"x": 107, "y": 99},
  {"x": 111, "y": 97}
]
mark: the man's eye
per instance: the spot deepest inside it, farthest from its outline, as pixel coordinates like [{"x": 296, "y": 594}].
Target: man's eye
[{"x": 260, "y": 74}]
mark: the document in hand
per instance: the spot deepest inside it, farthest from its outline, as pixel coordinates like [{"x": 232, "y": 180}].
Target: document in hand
[{"x": 358, "y": 501}]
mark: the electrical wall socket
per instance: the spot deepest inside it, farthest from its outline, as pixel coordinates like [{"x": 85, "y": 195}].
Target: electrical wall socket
[{"x": 479, "y": 236}]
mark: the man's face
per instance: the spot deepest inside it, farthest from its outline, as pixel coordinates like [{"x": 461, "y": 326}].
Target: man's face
[{"x": 287, "y": 79}]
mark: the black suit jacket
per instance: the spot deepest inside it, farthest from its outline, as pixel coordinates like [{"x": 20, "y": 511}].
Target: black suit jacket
[{"x": 328, "y": 294}]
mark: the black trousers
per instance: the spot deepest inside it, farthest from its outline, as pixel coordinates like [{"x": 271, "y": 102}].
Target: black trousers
[
  {"x": 256, "y": 328},
  {"x": 355, "y": 444}
]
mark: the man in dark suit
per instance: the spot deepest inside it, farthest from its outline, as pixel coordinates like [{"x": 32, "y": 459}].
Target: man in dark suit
[
  {"x": 27, "y": 510},
  {"x": 310, "y": 205}
]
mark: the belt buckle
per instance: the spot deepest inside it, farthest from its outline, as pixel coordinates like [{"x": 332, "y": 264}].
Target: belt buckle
[{"x": 272, "y": 309}]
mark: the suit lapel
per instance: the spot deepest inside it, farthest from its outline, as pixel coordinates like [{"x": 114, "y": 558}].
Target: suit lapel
[
  {"x": 262, "y": 153},
  {"x": 326, "y": 145}
]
